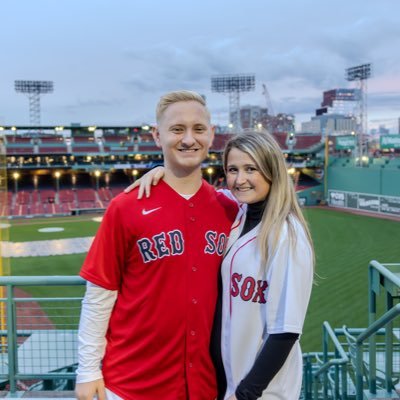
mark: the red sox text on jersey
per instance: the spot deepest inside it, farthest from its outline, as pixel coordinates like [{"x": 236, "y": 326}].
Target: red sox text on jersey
[
  {"x": 248, "y": 288},
  {"x": 172, "y": 244}
]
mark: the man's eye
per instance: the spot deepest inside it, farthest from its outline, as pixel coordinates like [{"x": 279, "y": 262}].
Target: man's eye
[{"x": 177, "y": 130}]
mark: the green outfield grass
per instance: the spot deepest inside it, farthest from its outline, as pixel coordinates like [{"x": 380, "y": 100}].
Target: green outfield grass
[
  {"x": 26, "y": 230},
  {"x": 344, "y": 245}
]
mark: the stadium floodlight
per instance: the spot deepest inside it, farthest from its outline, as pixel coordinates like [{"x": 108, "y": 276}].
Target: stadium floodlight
[
  {"x": 360, "y": 74},
  {"x": 34, "y": 86},
  {"x": 233, "y": 85},
  {"x": 34, "y": 89}
]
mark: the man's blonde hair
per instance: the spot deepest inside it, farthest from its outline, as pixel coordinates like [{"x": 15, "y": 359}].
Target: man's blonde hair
[{"x": 174, "y": 97}]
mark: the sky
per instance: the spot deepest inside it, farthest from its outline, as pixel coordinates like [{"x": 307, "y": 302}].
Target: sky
[{"x": 111, "y": 60}]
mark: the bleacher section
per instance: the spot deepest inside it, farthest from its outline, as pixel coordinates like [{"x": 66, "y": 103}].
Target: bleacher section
[
  {"x": 119, "y": 144},
  {"x": 219, "y": 142},
  {"x": 51, "y": 145},
  {"x": 83, "y": 168},
  {"x": 49, "y": 202},
  {"x": 298, "y": 142},
  {"x": 307, "y": 141},
  {"x": 84, "y": 145},
  {"x": 281, "y": 137},
  {"x": 19, "y": 145},
  {"x": 127, "y": 144},
  {"x": 105, "y": 197}
]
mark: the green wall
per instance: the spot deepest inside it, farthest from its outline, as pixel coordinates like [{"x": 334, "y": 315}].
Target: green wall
[{"x": 375, "y": 179}]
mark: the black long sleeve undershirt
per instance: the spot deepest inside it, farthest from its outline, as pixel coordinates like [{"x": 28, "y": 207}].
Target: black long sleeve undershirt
[{"x": 215, "y": 344}]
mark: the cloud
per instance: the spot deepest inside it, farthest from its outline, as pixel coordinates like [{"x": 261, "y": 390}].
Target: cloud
[
  {"x": 165, "y": 67},
  {"x": 94, "y": 103},
  {"x": 385, "y": 100}
]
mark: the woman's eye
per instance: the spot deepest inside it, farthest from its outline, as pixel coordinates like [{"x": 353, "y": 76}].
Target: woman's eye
[{"x": 251, "y": 169}]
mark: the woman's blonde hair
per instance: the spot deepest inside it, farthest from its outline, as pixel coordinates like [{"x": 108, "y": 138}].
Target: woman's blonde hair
[
  {"x": 174, "y": 97},
  {"x": 282, "y": 200}
]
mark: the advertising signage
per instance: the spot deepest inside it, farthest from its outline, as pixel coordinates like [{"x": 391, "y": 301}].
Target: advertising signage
[
  {"x": 365, "y": 202},
  {"x": 345, "y": 142},
  {"x": 390, "y": 142}
]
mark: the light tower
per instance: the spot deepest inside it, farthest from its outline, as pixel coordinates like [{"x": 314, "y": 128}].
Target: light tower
[
  {"x": 360, "y": 74},
  {"x": 234, "y": 85},
  {"x": 34, "y": 89}
]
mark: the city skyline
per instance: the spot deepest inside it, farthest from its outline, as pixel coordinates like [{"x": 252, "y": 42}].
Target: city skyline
[{"x": 110, "y": 62}]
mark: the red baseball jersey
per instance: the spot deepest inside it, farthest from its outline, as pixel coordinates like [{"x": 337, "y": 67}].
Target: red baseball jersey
[{"x": 163, "y": 255}]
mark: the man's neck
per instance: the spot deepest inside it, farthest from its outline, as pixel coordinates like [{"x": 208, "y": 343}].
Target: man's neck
[{"x": 184, "y": 182}]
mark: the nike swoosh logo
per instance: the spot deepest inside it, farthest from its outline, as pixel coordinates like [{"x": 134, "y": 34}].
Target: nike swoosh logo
[{"x": 145, "y": 212}]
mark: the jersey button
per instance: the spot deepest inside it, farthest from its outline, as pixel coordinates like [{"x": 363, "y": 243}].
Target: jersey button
[
  {"x": 192, "y": 219},
  {"x": 191, "y": 205},
  {"x": 193, "y": 333},
  {"x": 194, "y": 301},
  {"x": 194, "y": 269},
  {"x": 190, "y": 365}
]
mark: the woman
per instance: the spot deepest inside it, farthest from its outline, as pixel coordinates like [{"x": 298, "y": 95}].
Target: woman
[{"x": 267, "y": 274}]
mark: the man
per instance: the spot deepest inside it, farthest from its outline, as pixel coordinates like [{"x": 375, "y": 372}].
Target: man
[{"x": 152, "y": 274}]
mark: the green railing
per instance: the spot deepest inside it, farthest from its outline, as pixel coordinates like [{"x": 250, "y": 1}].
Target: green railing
[
  {"x": 325, "y": 373},
  {"x": 362, "y": 370},
  {"x": 38, "y": 334},
  {"x": 384, "y": 280},
  {"x": 351, "y": 369}
]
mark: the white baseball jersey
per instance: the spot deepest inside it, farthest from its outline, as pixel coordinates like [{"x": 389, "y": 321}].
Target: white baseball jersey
[{"x": 257, "y": 303}]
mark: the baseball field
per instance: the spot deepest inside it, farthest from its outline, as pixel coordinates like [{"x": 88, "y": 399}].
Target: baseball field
[{"x": 344, "y": 245}]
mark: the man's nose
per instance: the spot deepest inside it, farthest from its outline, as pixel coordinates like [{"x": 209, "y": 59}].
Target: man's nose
[{"x": 188, "y": 138}]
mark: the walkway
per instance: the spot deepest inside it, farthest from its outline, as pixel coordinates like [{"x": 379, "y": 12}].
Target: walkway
[{"x": 44, "y": 248}]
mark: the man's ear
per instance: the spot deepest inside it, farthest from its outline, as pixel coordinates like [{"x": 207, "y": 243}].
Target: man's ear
[
  {"x": 156, "y": 136},
  {"x": 212, "y": 135}
]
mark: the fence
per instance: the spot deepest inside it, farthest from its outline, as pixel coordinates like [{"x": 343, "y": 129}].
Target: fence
[{"x": 38, "y": 333}]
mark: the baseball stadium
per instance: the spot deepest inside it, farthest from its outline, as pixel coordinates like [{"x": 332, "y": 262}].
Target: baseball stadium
[{"x": 57, "y": 181}]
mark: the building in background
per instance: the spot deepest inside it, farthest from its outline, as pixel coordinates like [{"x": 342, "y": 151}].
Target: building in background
[
  {"x": 337, "y": 114},
  {"x": 382, "y": 130},
  {"x": 340, "y": 101},
  {"x": 256, "y": 117}
]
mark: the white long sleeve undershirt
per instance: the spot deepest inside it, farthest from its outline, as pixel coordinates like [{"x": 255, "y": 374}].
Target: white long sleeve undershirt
[{"x": 97, "y": 306}]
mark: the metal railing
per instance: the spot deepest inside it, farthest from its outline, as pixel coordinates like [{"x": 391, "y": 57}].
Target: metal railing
[
  {"x": 361, "y": 366},
  {"x": 38, "y": 334},
  {"x": 325, "y": 373},
  {"x": 385, "y": 321}
]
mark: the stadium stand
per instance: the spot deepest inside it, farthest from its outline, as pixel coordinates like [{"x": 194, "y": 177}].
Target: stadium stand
[
  {"x": 84, "y": 145},
  {"x": 19, "y": 145},
  {"x": 281, "y": 137},
  {"x": 307, "y": 141},
  {"x": 114, "y": 153},
  {"x": 51, "y": 145},
  {"x": 219, "y": 142}
]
